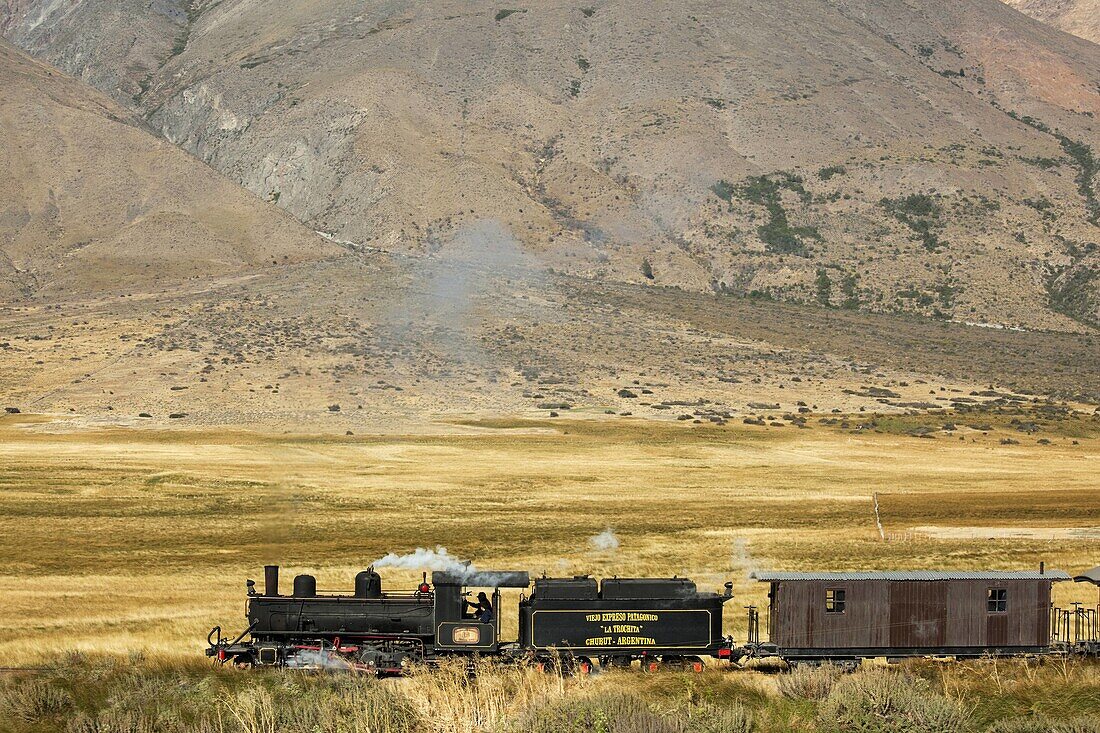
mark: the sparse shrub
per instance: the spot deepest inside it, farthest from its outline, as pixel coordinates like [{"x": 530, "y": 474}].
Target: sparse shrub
[
  {"x": 824, "y": 286},
  {"x": 606, "y": 712},
  {"x": 921, "y": 213},
  {"x": 779, "y": 236},
  {"x": 809, "y": 683},
  {"x": 1087, "y": 169},
  {"x": 1071, "y": 292},
  {"x": 32, "y": 700},
  {"x": 723, "y": 190},
  {"x": 1042, "y": 163},
  {"x": 735, "y": 718},
  {"x": 1042, "y": 724},
  {"x": 830, "y": 171},
  {"x": 116, "y": 721},
  {"x": 889, "y": 702},
  {"x": 502, "y": 14},
  {"x": 849, "y": 285},
  {"x": 647, "y": 269}
]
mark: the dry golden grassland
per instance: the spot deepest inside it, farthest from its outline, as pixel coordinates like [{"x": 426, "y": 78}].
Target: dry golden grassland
[
  {"x": 124, "y": 540},
  {"x": 101, "y": 694}
]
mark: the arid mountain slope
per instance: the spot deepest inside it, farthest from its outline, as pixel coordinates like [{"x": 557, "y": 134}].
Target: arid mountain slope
[
  {"x": 938, "y": 158},
  {"x": 114, "y": 45},
  {"x": 1079, "y": 17},
  {"x": 92, "y": 201}
]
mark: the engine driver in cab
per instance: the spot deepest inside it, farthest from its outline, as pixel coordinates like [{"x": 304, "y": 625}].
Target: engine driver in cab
[{"x": 482, "y": 610}]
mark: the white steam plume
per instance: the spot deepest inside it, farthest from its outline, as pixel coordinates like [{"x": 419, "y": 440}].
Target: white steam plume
[
  {"x": 606, "y": 540},
  {"x": 426, "y": 559},
  {"x": 423, "y": 558}
]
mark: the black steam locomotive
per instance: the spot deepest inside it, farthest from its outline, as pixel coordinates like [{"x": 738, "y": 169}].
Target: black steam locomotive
[{"x": 569, "y": 621}]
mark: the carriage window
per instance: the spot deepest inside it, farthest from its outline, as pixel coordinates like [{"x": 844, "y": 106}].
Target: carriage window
[
  {"x": 834, "y": 600},
  {"x": 997, "y": 600}
]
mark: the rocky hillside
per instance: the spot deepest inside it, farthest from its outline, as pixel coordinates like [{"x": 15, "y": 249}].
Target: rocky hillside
[
  {"x": 1079, "y": 17},
  {"x": 937, "y": 158},
  {"x": 93, "y": 202}
]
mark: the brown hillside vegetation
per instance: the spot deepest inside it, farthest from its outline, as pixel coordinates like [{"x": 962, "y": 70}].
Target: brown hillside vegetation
[
  {"x": 372, "y": 343},
  {"x": 936, "y": 158},
  {"x": 1079, "y": 17},
  {"x": 94, "y": 202}
]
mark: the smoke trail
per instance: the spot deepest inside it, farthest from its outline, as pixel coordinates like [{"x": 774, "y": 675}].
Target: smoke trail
[
  {"x": 742, "y": 558},
  {"x": 605, "y": 540},
  {"x": 456, "y": 290}
]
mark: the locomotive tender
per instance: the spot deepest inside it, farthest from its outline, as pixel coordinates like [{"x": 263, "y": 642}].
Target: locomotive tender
[{"x": 572, "y": 622}]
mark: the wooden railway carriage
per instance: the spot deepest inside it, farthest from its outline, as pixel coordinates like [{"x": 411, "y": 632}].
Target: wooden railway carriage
[{"x": 835, "y": 616}]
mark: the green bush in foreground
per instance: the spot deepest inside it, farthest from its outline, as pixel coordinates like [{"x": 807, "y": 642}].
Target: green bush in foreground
[{"x": 893, "y": 702}]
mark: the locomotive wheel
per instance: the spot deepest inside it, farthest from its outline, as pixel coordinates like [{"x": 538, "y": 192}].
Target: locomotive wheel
[
  {"x": 551, "y": 665},
  {"x": 615, "y": 662},
  {"x": 566, "y": 666}
]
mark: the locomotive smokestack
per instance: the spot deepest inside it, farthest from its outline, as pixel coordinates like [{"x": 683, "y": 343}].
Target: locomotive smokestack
[
  {"x": 1042, "y": 567},
  {"x": 271, "y": 580}
]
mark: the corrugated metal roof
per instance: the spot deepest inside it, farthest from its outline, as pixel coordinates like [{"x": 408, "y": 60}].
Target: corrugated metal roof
[
  {"x": 1089, "y": 576},
  {"x": 1052, "y": 575}
]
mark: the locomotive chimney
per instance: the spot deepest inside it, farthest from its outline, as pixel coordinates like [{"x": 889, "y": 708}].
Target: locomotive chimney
[
  {"x": 271, "y": 580},
  {"x": 1042, "y": 567}
]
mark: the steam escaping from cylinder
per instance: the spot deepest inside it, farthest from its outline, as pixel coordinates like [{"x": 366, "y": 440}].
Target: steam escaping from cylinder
[
  {"x": 314, "y": 659},
  {"x": 604, "y": 541}
]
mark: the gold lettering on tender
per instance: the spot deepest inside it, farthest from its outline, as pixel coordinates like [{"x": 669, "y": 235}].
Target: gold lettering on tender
[
  {"x": 635, "y": 641},
  {"x": 638, "y": 616}
]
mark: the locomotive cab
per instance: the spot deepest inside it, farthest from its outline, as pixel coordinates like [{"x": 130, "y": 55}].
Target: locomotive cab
[{"x": 458, "y": 631}]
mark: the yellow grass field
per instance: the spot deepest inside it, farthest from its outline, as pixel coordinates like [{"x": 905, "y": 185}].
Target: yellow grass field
[{"x": 124, "y": 540}]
